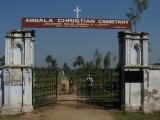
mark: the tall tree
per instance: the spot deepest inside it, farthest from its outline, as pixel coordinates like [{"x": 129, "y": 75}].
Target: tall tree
[
  {"x": 66, "y": 68},
  {"x": 134, "y": 12},
  {"x": 49, "y": 60},
  {"x": 89, "y": 66},
  {"x": 114, "y": 58},
  {"x": 79, "y": 61},
  {"x": 107, "y": 60},
  {"x": 97, "y": 58},
  {"x": 53, "y": 63}
]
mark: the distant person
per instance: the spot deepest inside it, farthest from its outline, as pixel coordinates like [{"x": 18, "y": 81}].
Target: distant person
[
  {"x": 89, "y": 85},
  {"x": 71, "y": 85},
  {"x": 62, "y": 88}
]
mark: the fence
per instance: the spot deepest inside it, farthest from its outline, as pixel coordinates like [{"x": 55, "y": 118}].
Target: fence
[
  {"x": 44, "y": 87},
  {"x": 104, "y": 92}
]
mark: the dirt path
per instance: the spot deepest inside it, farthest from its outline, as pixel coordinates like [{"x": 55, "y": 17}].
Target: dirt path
[{"x": 66, "y": 110}]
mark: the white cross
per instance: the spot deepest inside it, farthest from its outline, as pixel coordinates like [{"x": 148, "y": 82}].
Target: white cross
[{"x": 77, "y": 10}]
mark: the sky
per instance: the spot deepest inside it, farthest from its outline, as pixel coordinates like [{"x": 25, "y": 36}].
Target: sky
[{"x": 65, "y": 44}]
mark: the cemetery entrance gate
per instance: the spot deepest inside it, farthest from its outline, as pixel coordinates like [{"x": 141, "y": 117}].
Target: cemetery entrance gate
[{"x": 106, "y": 86}]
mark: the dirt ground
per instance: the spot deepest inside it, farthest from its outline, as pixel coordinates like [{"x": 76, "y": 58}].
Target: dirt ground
[
  {"x": 64, "y": 110},
  {"x": 68, "y": 111}
]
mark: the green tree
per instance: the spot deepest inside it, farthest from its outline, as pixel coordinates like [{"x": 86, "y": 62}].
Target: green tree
[
  {"x": 66, "y": 68},
  {"x": 97, "y": 58},
  {"x": 48, "y": 60},
  {"x": 107, "y": 60},
  {"x": 134, "y": 12},
  {"x": 79, "y": 61},
  {"x": 53, "y": 63},
  {"x": 114, "y": 58},
  {"x": 89, "y": 66}
]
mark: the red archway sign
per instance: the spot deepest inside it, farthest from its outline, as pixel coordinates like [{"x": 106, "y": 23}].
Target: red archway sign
[{"x": 75, "y": 23}]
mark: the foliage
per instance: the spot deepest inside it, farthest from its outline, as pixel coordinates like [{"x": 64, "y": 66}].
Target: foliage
[
  {"x": 48, "y": 59},
  {"x": 97, "y": 58},
  {"x": 114, "y": 57},
  {"x": 141, "y": 5},
  {"x": 79, "y": 61},
  {"x": 66, "y": 68},
  {"x": 134, "y": 12},
  {"x": 89, "y": 65},
  {"x": 51, "y": 62},
  {"x": 107, "y": 60},
  {"x": 92, "y": 66}
]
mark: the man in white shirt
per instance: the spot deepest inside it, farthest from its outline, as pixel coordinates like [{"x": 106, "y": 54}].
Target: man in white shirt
[{"x": 89, "y": 85}]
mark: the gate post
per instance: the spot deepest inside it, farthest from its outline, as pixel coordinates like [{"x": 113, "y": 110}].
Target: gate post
[
  {"x": 17, "y": 72},
  {"x": 133, "y": 61}
]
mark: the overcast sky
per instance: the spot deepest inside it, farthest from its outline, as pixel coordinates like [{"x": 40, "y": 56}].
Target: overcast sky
[{"x": 65, "y": 44}]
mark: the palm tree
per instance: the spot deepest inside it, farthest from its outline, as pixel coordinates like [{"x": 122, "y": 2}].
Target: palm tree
[
  {"x": 53, "y": 63},
  {"x": 49, "y": 60}
]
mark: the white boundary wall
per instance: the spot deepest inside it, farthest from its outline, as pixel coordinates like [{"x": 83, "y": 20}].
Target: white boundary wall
[{"x": 152, "y": 91}]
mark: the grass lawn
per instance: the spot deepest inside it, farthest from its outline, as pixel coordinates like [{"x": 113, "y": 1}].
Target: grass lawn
[{"x": 122, "y": 115}]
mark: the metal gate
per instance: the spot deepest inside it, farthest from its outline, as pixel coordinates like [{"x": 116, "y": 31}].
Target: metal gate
[
  {"x": 44, "y": 87},
  {"x": 105, "y": 91}
]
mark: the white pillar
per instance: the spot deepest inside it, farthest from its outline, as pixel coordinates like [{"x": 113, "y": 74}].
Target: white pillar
[
  {"x": 27, "y": 89},
  {"x": 133, "y": 98},
  {"x": 17, "y": 76},
  {"x": 0, "y": 87}
]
